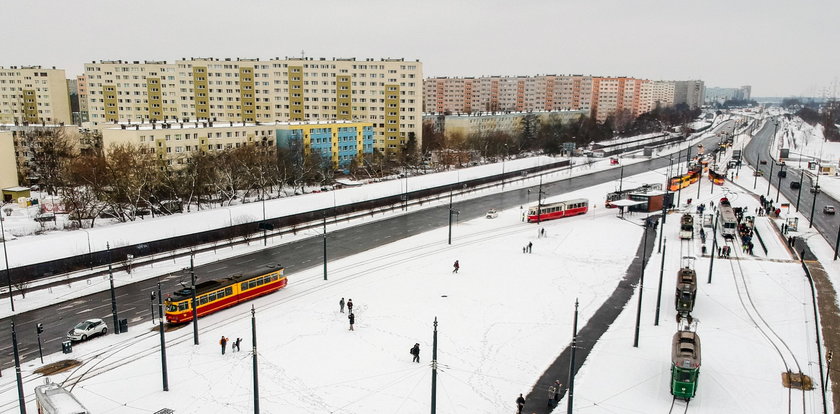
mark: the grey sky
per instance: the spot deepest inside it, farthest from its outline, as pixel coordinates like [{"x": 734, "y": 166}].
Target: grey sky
[{"x": 780, "y": 48}]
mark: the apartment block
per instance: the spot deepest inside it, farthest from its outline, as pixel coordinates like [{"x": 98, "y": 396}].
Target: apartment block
[
  {"x": 479, "y": 123},
  {"x": 338, "y": 142},
  {"x": 691, "y": 93},
  {"x": 175, "y": 141},
  {"x": 504, "y": 93},
  {"x": 33, "y": 94},
  {"x": 8, "y": 164},
  {"x": 661, "y": 94},
  {"x": 613, "y": 95},
  {"x": 385, "y": 92},
  {"x": 28, "y": 139},
  {"x": 81, "y": 88}
]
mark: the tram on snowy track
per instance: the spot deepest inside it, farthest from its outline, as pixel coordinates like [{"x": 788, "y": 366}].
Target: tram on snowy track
[
  {"x": 686, "y": 226},
  {"x": 683, "y": 181},
  {"x": 52, "y": 398},
  {"x": 557, "y": 210},
  {"x": 685, "y": 364},
  {"x": 728, "y": 221},
  {"x": 686, "y": 290},
  {"x": 215, "y": 295}
]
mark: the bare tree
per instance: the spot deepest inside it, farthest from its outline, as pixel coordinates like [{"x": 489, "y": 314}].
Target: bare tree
[
  {"x": 132, "y": 172},
  {"x": 50, "y": 149},
  {"x": 84, "y": 183}
]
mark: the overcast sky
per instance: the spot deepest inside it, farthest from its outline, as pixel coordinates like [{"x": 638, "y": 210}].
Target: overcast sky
[{"x": 780, "y": 48}]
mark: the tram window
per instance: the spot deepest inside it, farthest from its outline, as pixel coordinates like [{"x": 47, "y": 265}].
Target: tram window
[
  {"x": 228, "y": 291},
  {"x": 183, "y": 306},
  {"x": 273, "y": 277},
  {"x": 202, "y": 300},
  {"x": 211, "y": 297},
  {"x": 220, "y": 294},
  {"x": 260, "y": 282},
  {"x": 252, "y": 284},
  {"x": 243, "y": 286},
  {"x": 171, "y": 308}
]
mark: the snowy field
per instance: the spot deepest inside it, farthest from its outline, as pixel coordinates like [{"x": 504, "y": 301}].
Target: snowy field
[{"x": 502, "y": 320}]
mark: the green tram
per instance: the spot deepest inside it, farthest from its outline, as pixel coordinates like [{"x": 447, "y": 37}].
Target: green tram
[
  {"x": 685, "y": 364},
  {"x": 686, "y": 290}
]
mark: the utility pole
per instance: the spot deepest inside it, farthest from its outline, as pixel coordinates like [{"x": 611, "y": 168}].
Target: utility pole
[
  {"x": 621, "y": 178},
  {"x": 756, "y": 174},
  {"x": 21, "y": 400},
  {"x": 539, "y": 201},
  {"x": 162, "y": 341},
  {"x": 659, "y": 293},
  {"x": 814, "y": 201},
  {"x": 434, "y": 367},
  {"x": 6, "y": 256},
  {"x": 451, "y": 212},
  {"x": 113, "y": 293},
  {"x": 325, "y": 245},
  {"x": 254, "y": 360},
  {"x": 39, "y": 328},
  {"x": 779, "y": 186},
  {"x": 194, "y": 302},
  {"x": 570, "y": 400},
  {"x": 770, "y": 177},
  {"x": 714, "y": 245},
  {"x": 641, "y": 288},
  {"x": 799, "y": 193}
]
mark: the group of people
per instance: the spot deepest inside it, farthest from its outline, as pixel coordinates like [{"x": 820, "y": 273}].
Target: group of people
[
  {"x": 527, "y": 248},
  {"x": 553, "y": 396},
  {"x": 351, "y": 317},
  {"x": 233, "y": 347}
]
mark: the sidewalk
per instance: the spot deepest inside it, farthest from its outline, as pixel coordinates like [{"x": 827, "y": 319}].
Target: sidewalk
[{"x": 537, "y": 399}]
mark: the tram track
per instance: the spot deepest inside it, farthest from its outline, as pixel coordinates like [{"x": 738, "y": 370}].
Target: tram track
[
  {"x": 673, "y": 401},
  {"x": 781, "y": 347},
  {"x": 99, "y": 361}
]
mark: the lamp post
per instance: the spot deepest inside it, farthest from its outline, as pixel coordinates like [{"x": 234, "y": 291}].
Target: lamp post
[
  {"x": 113, "y": 293},
  {"x": 781, "y": 174},
  {"x": 757, "y": 171},
  {"x": 770, "y": 177},
  {"x": 539, "y": 201},
  {"x": 6, "y": 257},
  {"x": 799, "y": 193},
  {"x": 503, "y": 165}
]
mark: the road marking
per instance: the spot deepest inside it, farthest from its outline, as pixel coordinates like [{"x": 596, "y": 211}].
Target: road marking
[
  {"x": 218, "y": 268},
  {"x": 247, "y": 261}
]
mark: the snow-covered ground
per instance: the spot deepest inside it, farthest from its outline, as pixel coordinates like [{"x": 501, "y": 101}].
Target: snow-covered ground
[
  {"x": 501, "y": 320},
  {"x": 807, "y": 143}
]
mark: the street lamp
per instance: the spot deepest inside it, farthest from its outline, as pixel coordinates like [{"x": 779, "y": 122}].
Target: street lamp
[{"x": 781, "y": 174}]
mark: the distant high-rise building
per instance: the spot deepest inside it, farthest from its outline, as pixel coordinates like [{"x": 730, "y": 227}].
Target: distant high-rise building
[
  {"x": 81, "y": 87},
  {"x": 385, "y": 92},
  {"x": 721, "y": 95},
  {"x": 690, "y": 92},
  {"x": 507, "y": 93},
  {"x": 32, "y": 94}
]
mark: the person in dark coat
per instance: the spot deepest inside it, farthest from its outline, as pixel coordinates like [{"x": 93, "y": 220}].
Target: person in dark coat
[
  {"x": 352, "y": 320},
  {"x": 415, "y": 350},
  {"x": 520, "y": 402},
  {"x": 341, "y": 305},
  {"x": 456, "y": 267},
  {"x": 350, "y": 305},
  {"x": 557, "y": 386},
  {"x": 223, "y": 342},
  {"x": 236, "y": 344}
]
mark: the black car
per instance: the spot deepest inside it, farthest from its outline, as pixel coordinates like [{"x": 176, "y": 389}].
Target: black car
[{"x": 794, "y": 185}]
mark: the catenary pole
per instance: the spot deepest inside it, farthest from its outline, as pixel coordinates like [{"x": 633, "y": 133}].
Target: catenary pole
[
  {"x": 113, "y": 293},
  {"x": 714, "y": 245},
  {"x": 21, "y": 399},
  {"x": 6, "y": 256},
  {"x": 194, "y": 302},
  {"x": 659, "y": 293},
  {"x": 641, "y": 288},
  {"x": 434, "y": 367},
  {"x": 254, "y": 360},
  {"x": 162, "y": 341},
  {"x": 570, "y": 400}
]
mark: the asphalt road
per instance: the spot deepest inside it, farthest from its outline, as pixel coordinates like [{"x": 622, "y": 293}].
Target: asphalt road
[
  {"x": 133, "y": 301},
  {"x": 810, "y": 204}
]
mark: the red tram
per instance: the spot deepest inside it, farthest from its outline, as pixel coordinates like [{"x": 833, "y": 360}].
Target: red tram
[
  {"x": 215, "y": 295},
  {"x": 557, "y": 210}
]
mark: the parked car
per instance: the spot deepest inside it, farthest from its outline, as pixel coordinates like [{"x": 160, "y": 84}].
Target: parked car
[
  {"x": 492, "y": 213},
  {"x": 86, "y": 329},
  {"x": 829, "y": 209}
]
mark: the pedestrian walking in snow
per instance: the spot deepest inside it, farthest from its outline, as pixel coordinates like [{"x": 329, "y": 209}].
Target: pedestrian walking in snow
[
  {"x": 524, "y": 249},
  {"x": 455, "y": 267},
  {"x": 223, "y": 342},
  {"x": 352, "y": 319},
  {"x": 415, "y": 350},
  {"x": 341, "y": 305},
  {"x": 557, "y": 386},
  {"x": 236, "y": 344},
  {"x": 530, "y": 246},
  {"x": 542, "y": 232},
  {"x": 520, "y": 402},
  {"x": 350, "y": 305},
  {"x": 552, "y": 391}
]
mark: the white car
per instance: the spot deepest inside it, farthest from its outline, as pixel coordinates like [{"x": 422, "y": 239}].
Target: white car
[
  {"x": 492, "y": 213},
  {"x": 86, "y": 329}
]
